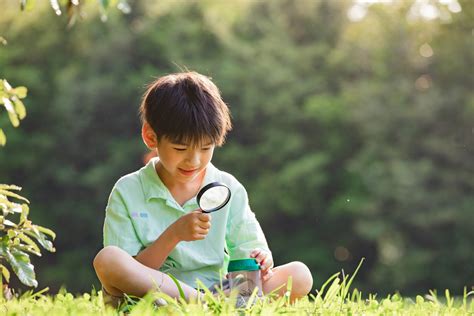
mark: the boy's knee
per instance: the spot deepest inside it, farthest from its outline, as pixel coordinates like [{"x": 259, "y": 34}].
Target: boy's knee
[
  {"x": 302, "y": 279},
  {"x": 105, "y": 258}
]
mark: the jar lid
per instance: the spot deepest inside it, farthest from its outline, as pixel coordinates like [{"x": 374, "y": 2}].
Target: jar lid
[{"x": 243, "y": 265}]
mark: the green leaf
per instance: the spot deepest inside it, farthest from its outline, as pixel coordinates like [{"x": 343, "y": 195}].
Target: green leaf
[
  {"x": 20, "y": 108},
  {"x": 14, "y": 119},
  {"x": 20, "y": 263},
  {"x": 6, "y": 85},
  {"x": 20, "y": 92},
  {"x": 25, "y": 210},
  {"x": 9, "y": 223},
  {"x": 30, "y": 243},
  {"x": 3, "y": 138},
  {"x": 28, "y": 249},
  {"x": 46, "y": 231},
  {"x": 10, "y": 187},
  {"x": 10, "y": 206},
  {"x": 41, "y": 238},
  {"x": 14, "y": 195},
  {"x": 5, "y": 272},
  {"x": 8, "y": 105}
]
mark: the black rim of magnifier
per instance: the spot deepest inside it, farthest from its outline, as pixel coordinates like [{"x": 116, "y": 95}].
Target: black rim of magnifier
[{"x": 207, "y": 187}]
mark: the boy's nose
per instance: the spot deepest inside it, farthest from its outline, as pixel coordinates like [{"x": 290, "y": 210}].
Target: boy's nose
[{"x": 194, "y": 159}]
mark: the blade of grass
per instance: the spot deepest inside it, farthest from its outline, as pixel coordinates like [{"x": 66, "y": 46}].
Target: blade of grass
[
  {"x": 252, "y": 298},
  {"x": 180, "y": 289},
  {"x": 321, "y": 291},
  {"x": 347, "y": 287}
]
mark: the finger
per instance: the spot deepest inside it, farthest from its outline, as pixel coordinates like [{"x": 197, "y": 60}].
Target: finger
[
  {"x": 204, "y": 217},
  {"x": 261, "y": 257},
  {"x": 264, "y": 266},
  {"x": 254, "y": 253},
  {"x": 198, "y": 236},
  {"x": 202, "y": 231},
  {"x": 204, "y": 225},
  {"x": 267, "y": 276}
]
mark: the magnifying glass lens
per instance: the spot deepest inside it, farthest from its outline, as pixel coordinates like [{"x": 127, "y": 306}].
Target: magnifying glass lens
[{"x": 213, "y": 197}]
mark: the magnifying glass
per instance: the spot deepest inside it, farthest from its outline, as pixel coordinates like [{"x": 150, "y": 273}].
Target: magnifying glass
[{"x": 213, "y": 196}]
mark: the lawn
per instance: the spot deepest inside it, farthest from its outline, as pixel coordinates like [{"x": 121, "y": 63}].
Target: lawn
[{"x": 334, "y": 298}]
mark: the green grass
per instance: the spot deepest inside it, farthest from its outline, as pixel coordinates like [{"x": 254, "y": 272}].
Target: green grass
[
  {"x": 334, "y": 298},
  {"x": 330, "y": 303}
]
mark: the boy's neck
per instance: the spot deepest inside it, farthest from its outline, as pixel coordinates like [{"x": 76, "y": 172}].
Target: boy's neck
[{"x": 181, "y": 191}]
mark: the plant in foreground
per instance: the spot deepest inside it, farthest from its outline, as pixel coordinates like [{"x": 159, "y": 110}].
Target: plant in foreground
[{"x": 19, "y": 237}]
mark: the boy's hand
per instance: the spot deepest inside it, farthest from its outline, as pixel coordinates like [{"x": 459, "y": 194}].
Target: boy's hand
[
  {"x": 192, "y": 226},
  {"x": 265, "y": 260}
]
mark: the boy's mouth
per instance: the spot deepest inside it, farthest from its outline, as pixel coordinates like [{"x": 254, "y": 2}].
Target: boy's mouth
[{"x": 188, "y": 172}]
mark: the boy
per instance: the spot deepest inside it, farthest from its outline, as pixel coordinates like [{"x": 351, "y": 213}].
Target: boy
[{"x": 153, "y": 225}]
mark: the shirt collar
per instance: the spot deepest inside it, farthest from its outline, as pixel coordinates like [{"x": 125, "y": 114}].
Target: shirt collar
[{"x": 153, "y": 187}]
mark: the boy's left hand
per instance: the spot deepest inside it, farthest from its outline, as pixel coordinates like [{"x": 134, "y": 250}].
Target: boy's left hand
[{"x": 265, "y": 260}]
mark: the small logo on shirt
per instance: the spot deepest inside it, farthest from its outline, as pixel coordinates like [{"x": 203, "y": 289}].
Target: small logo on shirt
[{"x": 139, "y": 214}]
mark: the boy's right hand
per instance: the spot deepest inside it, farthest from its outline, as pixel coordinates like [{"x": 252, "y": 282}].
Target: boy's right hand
[{"x": 192, "y": 226}]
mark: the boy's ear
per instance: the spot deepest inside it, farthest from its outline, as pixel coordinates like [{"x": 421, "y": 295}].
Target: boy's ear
[{"x": 149, "y": 136}]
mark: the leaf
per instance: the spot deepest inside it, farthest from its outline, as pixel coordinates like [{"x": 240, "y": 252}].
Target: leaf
[
  {"x": 8, "y": 105},
  {"x": 9, "y": 223},
  {"x": 14, "y": 119},
  {"x": 41, "y": 238},
  {"x": 25, "y": 210},
  {"x": 7, "y": 206},
  {"x": 3, "y": 138},
  {"x": 46, "y": 231},
  {"x": 10, "y": 187},
  {"x": 20, "y": 92},
  {"x": 5, "y": 272},
  {"x": 6, "y": 85},
  {"x": 14, "y": 195},
  {"x": 20, "y": 108},
  {"x": 20, "y": 263},
  {"x": 30, "y": 243},
  {"x": 29, "y": 249}
]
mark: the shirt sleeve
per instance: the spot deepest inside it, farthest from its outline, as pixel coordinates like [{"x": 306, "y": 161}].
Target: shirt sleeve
[
  {"x": 118, "y": 227},
  {"x": 244, "y": 233}
]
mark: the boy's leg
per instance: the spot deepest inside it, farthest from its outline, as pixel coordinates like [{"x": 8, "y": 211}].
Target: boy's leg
[
  {"x": 120, "y": 273},
  {"x": 302, "y": 280}
]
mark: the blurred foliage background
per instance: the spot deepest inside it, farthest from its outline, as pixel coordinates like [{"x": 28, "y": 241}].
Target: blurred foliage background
[{"x": 353, "y": 126}]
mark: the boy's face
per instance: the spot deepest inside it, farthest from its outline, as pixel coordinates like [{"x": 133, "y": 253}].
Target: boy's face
[
  {"x": 179, "y": 163},
  {"x": 183, "y": 162}
]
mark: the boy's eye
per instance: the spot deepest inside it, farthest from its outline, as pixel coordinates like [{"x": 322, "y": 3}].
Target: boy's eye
[
  {"x": 206, "y": 148},
  {"x": 180, "y": 149}
]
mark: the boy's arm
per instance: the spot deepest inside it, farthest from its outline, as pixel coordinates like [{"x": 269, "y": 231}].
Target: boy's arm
[
  {"x": 155, "y": 255},
  {"x": 189, "y": 227}
]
